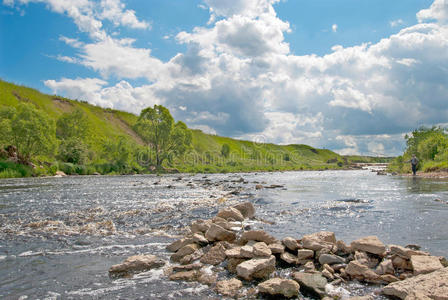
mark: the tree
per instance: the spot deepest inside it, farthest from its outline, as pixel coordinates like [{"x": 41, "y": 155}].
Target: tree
[
  {"x": 29, "y": 129},
  {"x": 164, "y": 137},
  {"x": 72, "y": 125},
  {"x": 118, "y": 152},
  {"x": 225, "y": 150},
  {"x": 73, "y": 150}
]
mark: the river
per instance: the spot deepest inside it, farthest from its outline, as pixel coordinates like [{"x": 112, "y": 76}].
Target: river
[{"x": 59, "y": 236}]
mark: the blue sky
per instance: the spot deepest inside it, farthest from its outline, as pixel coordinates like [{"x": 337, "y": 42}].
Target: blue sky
[{"x": 353, "y": 76}]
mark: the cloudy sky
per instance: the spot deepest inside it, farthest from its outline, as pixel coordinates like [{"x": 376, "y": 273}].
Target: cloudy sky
[{"x": 349, "y": 75}]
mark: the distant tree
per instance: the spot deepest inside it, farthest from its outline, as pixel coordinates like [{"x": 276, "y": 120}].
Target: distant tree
[
  {"x": 118, "y": 152},
  {"x": 164, "y": 137},
  {"x": 73, "y": 150},
  {"x": 225, "y": 150},
  {"x": 72, "y": 125},
  {"x": 29, "y": 129},
  {"x": 426, "y": 142}
]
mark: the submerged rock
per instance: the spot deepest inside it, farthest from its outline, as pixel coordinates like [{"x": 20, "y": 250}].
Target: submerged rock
[
  {"x": 277, "y": 286},
  {"x": 426, "y": 286},
  {"x": 136, "y": 264}
]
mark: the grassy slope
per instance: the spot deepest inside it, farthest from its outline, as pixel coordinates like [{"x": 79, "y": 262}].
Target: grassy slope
[{"x": 206, "y": 149}]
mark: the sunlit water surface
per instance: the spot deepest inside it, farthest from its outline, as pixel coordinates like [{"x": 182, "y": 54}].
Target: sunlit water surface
[{"x": 59, "y": 236}]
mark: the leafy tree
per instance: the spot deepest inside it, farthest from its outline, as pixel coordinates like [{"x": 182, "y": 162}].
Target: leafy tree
[
  {"x": 118, "y": 152},
  {"x": 72, "y": 125},
  {"x": 29, "y": 129},
  {"x": 164, "y": 137},
  {"x": 73, "y": 150},
  {"x": 225, "y": 150}
]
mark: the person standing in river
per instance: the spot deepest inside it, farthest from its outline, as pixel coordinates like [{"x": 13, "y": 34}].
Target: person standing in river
[{"x": 414, "y": 163}]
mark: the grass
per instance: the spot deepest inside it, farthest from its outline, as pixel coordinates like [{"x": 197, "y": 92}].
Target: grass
[
  {"x": 12, "y": 170},
  {"x": 205, "y": 155}
]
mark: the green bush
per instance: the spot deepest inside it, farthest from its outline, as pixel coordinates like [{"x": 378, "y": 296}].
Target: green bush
[{"x": 11, "y": 169}]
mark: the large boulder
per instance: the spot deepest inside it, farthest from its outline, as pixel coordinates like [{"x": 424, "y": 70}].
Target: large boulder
[
  {"x": 246, "y": 209},
  {"x": 135, "y": 264},
  {"x": 215, "y": 256},
  {"x": 217, "y": 233},
  {"x": 277, "y": 286},
  {"x": 425, "y": 264},
  {"x": 229, "y": 287},
  {"x": 433, "y": 286},
  {"x": 405, "y": 252},
  {"x": 256, "y": 268},
  {"x": 257, "y": 235},
  {"x": 311, "y": 283},
  {"x": 319, "y": 240},
  {"x": 230, "y": 213},
  {"x": 370, "y": 244}
]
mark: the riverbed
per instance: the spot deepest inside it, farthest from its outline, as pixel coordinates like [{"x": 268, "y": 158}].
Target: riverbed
[{"x": 59, "y": 236}]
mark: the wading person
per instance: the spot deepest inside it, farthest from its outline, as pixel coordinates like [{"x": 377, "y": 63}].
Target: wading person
[{"x": 414, "y": 162}]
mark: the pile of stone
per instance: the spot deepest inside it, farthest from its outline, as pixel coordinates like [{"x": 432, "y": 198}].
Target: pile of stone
[{"x": 318, "y": 261}]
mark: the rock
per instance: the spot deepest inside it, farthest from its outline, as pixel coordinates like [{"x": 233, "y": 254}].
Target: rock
[
  {"x": 230, "y": 213},
  {"x": 385, "y": 267},
  {"x": 187, "y": 259},
  {"x": 370, "y": 244},
  {"x": 311, "y": 283},
  {"x": 191, "y": 275},
  {"x": 305, "y": 254},
  {"x": 256, "y": 268},
  {"x": 289, "y": 258},
  {"x": 432, "y": 285},
  {"x": 176, "y": 245},
  {"x": 232, "y": 263},
  {"x": 328, "y": 268},
  {"x": 135, "y": 264},
  {"x": 343, "y": 248},
  {"x": 331, "y": 259},
  {"x": 356, "y": 270},
  {"x": 247, "y": 251},
  {"x": 425, "y": 264},
  {"x": 187, "y": 267},
  {"x": 199, "y": 239},
  {"x": 327, "y": 274},
  {"x": 260, "y": 249},
  {"x": 186, "y": 250},
  {"x": 215, "y": 256},
  {"x": 207, "y": 279},
  {"x": 309, "y": 267},
  {"x": 319, "y": 240},
  {"x": 405, "y": 252},
  {"x": 60, "y": 174},
  {"x": 367, "y": 297},
  {"x": 276, "y": 248},
  {"x": 200, "y": 226},
  {"x": 246, "y": 209},
  {"x": 217, "y": 233},
  {"x": 234, "y": 252},
  {"x": 229, "y": 288},
  {"x": 257, "y": 235},
  {"x": 277, "y": 286},
  {"x": 388, "y": 278},
  {"x": 258, "y": 187},
  {"x": 290, "y": 243},
  {"x": 401, "y": 263}
]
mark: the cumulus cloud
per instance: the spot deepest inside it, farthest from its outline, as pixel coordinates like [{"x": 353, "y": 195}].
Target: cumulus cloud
[
  {"x": 437, "y": 11},
  {"x": 238, "y": 78}
]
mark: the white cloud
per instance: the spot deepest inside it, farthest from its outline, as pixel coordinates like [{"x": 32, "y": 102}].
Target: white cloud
[
  {"x": 114, "y": 10},
  {"x": 396, "y": 23},
  {"x": 437, "y": 11},
  {"x": 334, "y": 27}
]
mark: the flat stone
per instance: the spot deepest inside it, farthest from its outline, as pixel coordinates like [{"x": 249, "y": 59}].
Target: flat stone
[
  {"x": 305, "y": 254},
  {"x": 257, "y": 235},
  {"x": 135, "y": 264},
  {"x": 217, "y": 233},
  {"x": 215, "y": 256},
  {"x": 246, "y": 209},
  {"x": 247, "y": 251},
  {"x": 229, "y": 287},
  {"x": 276, "y": 248},
  {"x": 277, "y": 286},
  {"x": 331, "y": 259},
  {"x": 230, "y": 213},
  {"x": 425, "y": 264},
  {"x": 260, "y": 249},
  {"x": 176, "y": 245},
  {"x": 187, "y": 259},
  {"x": 289, "y": 258},
  {"x": 405, "y": 252},
  {"x": 356, "y": 270},
  {"x": 184, "y": 251},
  {"x": 319, "y": 240},
  {"x": 313, "y": 283},
  {"x": 187, "y": 267},
  {"x": 191, "y": 275},
  {"x": 256, "y": 268},
  {"x": 370, "y": 244},
  {"x": 432, "y": 285},
  {"x": 291, "y": 243}
]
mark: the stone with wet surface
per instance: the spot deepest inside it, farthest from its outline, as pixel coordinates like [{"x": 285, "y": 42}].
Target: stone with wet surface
[{"x": 135, "y": 264}]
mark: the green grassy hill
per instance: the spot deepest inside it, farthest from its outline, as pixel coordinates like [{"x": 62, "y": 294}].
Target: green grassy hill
[{"x": 204, "y": 156}]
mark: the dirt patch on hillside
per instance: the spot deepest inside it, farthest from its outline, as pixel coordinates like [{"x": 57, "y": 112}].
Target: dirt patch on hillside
[
  {"x": 62, "y": 104},
  {"x": 111, "y": 117}
]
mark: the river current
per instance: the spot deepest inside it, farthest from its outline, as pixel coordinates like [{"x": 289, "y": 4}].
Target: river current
[{"x": 60, "y": 236}]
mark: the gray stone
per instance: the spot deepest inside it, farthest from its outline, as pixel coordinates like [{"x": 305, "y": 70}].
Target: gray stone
[
  {"x": 313, "y": 283},
  {"x": 277, "y": 286},
  {"x": 331, "y": 259}
]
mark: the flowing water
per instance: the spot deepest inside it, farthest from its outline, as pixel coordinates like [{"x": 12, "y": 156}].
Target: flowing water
[{"x": 59, "y": 236}]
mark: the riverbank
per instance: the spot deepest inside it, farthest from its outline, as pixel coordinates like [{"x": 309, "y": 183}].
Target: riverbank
[{"x": 432, "y": 175}]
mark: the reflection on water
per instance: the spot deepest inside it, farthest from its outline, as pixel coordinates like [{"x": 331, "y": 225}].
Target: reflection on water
[{"x": 59, "y": 236}]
